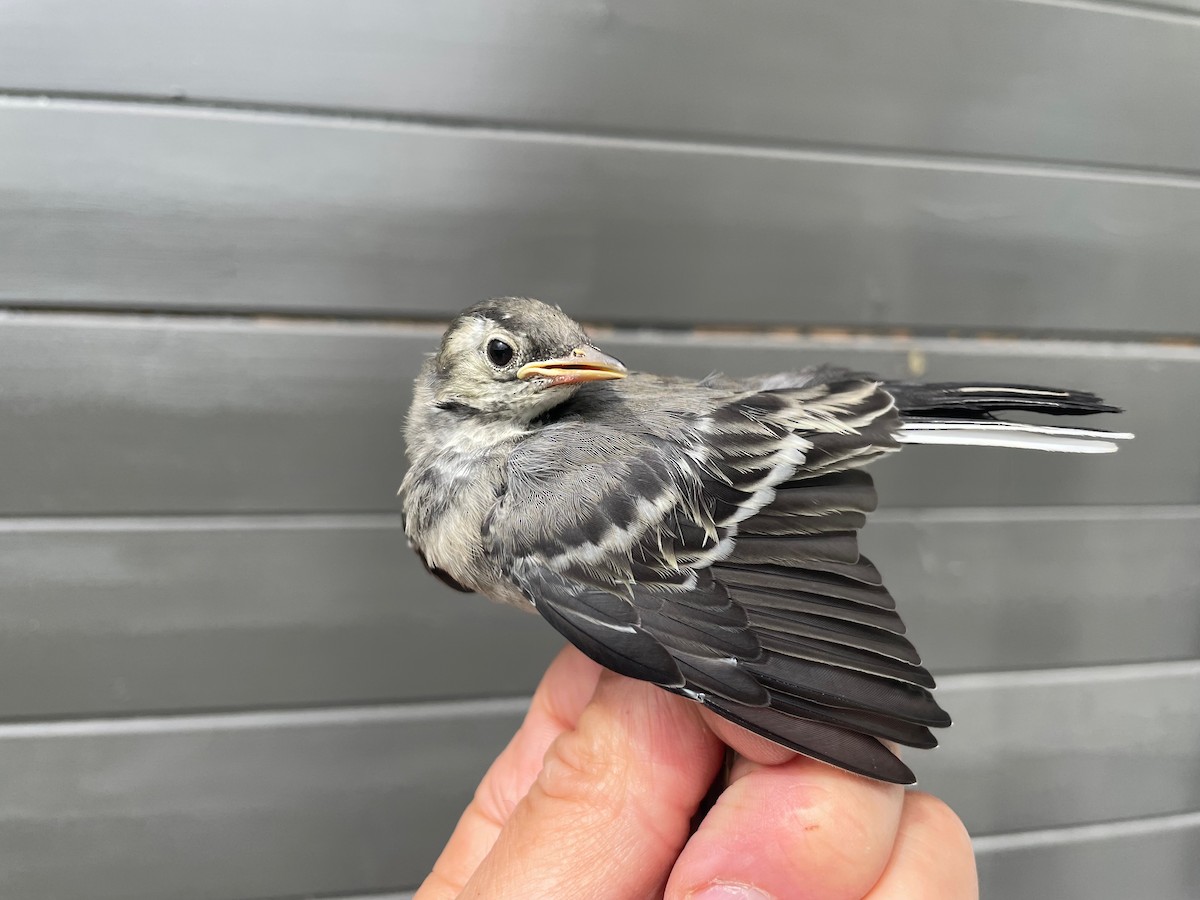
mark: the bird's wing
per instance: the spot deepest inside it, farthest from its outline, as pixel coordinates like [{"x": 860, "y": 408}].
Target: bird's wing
[{"x": 715, "y": 554}]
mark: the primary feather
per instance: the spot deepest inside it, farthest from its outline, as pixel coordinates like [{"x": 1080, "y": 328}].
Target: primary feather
[{"x": 698, "y": 535}]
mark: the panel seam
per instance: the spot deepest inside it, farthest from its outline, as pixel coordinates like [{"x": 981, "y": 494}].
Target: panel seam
[
  {"x": 1084, "y": 833},
  {"x": 431, "y": 710},
  {"x": 698, "y": 143},
  {"x": 979, "y": 340}
]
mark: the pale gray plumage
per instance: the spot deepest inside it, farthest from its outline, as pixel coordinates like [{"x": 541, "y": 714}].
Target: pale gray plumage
[{"x": 699, "y": 535}]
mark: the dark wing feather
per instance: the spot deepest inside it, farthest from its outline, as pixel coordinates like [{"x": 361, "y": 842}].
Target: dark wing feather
[
  {"x": 714, "y": 553},
  {"x": 602, "y": 625},
  {"x": 847, "y": 748}
]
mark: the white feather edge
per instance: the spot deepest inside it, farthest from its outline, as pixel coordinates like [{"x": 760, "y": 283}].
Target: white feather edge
[{"x": 1017, "y": 435}]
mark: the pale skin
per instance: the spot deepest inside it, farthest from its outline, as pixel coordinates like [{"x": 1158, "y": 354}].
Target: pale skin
[{"x": 593, "y": 799}]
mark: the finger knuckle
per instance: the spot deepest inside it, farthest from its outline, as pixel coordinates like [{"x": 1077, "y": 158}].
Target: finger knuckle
[{"x": 578, "y": 772}]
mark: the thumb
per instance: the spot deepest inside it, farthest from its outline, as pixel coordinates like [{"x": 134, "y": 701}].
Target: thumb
[{"x": 610, "y": 810}]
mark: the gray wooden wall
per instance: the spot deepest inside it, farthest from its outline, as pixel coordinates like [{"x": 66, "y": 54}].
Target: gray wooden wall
[{"x": 230, "y": 228}]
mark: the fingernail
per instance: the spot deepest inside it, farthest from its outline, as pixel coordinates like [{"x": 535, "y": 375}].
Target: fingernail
[{"x": 721, "y": 890}]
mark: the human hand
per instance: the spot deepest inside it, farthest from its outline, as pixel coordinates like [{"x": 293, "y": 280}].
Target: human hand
[{"x": 594, "y": 796}]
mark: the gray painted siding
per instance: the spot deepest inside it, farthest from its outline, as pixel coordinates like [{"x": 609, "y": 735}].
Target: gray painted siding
[
  {"x": 1046, "y": 80},
  {"x": 157, "y": 807},
  {"x": 224, "y": 238},
  {"x": 242, "y": 612},
  {"x": 319, "y": 214},
  {"x": 184, "y": 415},
  {"x": 1149, "y": 858},
  {"x": 258, "y": 805}
]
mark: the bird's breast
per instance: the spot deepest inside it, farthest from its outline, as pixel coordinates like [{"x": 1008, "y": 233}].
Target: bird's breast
[{"x": 446, "y": 499}]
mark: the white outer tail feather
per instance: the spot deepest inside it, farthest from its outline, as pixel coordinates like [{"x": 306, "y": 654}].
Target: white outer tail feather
[{"x": 1018, "y": 435}]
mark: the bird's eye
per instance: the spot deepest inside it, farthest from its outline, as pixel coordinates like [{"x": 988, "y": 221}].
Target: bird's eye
[{"x": 499, "y": 353}]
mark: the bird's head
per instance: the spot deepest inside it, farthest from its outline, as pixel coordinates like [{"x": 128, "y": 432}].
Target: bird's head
[{"x": 514, "y": 357}]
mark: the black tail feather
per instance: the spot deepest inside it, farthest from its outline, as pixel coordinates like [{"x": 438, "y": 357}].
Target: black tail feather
[{"x": 979, "y": 399}]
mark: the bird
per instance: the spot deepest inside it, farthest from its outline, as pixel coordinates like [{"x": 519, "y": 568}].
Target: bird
[{"x": 699, "y": 535}]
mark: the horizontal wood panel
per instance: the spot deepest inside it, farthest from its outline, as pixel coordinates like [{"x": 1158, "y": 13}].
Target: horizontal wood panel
[
  {"x": 167, "y": 618},
  {"x": 167, "y": 615},
  {"x": 361, "y": 800},
  {"x": 993, "y": 77},
  {"x": 1155, "y": 858},
  {"x": 241, "y": 807},
  {"x": 120, "y": 206},
  {"x": 115, "y": 415},
  {"x": 990, "y": 590},
  {"x": 1048, "y": 749}
]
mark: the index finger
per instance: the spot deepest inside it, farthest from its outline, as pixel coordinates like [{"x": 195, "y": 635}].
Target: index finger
[{"x": 564, "y": 691}]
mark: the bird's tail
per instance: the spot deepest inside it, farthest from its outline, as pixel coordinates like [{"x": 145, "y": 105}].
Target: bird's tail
[{"x": 964, "y": 414}]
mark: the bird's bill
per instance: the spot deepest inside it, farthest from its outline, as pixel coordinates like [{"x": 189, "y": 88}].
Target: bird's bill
[{"x": 581, "y": 365}]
